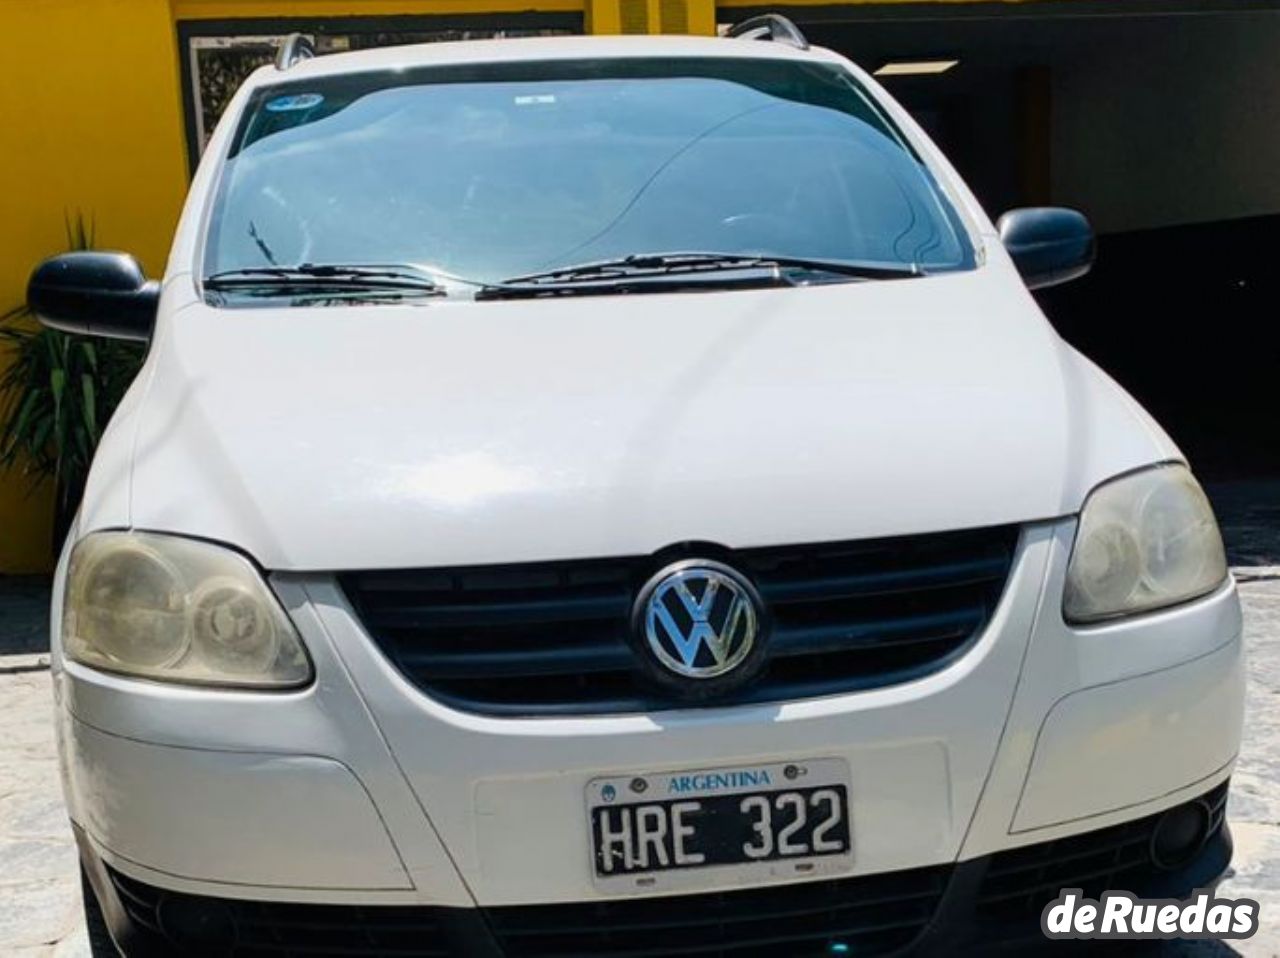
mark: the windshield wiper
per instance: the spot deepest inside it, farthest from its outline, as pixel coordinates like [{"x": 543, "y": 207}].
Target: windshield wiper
[
  {"x": 665, "y": 270},
  {"x": 324, "y": 279}
]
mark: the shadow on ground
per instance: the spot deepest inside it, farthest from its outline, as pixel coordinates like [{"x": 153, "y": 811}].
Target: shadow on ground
[
  {"x": 1249, "y": 512},
  {"x": 24, "y": 615}
]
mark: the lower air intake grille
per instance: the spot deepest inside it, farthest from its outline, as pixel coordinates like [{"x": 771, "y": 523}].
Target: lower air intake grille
[
  {"x": 1022, "y": 881},
  {"x": 189, "y": 924},
  {"x": 857, "y": 916},
  {"x": 551, "y": 638}
]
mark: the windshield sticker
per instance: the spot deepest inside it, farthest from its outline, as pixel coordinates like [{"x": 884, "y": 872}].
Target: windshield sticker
[{"x": 298, "y": 101}]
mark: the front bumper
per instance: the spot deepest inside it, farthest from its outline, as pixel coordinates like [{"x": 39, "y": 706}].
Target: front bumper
[
  {"x": 362, "y": 791},
  {"x": 978, "y": 906}
]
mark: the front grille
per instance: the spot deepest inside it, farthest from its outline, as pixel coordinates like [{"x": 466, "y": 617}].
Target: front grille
[
  {"x": 858, "y": 916},
  {"x": 1020, "y": 882},
  {"x": 551, "y": 638}
]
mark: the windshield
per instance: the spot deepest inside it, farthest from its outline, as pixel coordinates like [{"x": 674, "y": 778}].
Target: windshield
[{"x": 493, "y": 171}]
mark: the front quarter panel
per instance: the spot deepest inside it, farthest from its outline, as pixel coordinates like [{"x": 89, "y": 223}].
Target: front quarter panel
[{"x": 1152, "y": 703}]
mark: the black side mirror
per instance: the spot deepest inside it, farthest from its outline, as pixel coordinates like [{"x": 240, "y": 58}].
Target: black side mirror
[
  {"x": 1049, "y": 244},
  {"x": 98, "y": 294}
]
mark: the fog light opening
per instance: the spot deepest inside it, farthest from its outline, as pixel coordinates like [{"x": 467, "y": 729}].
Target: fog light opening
[
  {"x": 1180, "y": 834},
  {"x": 200, "y": 926}
]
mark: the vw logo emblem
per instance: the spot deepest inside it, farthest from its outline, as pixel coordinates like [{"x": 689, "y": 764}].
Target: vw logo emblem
[{"x": 700, "y": 619}]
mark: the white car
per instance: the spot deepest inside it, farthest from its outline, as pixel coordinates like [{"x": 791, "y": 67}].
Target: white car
[{"x": 603, "y": 496}]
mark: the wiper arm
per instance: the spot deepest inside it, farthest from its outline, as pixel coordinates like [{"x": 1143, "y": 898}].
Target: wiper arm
[
  {"x": 862, "y": 269},
  {"x": 638, "y": 265},
  {"x": 310, "y": 278},
  {"x": 607, "y": 273}
]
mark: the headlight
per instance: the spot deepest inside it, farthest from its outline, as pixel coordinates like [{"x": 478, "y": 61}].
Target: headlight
[
  {"x": 177, "y": 610},
  {"x": 1145, "y": 541}
]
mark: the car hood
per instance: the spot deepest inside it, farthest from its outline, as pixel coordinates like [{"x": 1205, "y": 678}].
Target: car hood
[{"x": 456, "y": 433}]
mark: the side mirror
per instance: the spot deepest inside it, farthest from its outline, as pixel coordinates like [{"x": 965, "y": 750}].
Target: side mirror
[
  {"x": 1049, "y": 244},
  {"x": 97, "y": 294}
]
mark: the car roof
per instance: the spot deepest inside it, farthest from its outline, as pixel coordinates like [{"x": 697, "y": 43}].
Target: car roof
[{"x": 536, "y": 48}]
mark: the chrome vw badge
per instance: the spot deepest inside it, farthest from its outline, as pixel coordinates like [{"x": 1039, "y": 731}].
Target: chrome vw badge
[{"x": 700, "y": 619}]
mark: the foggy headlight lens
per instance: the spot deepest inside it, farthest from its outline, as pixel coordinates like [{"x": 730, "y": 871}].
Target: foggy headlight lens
[
  {"x": 173, "y": 609},
  {"x": 1145, "y": 541}
]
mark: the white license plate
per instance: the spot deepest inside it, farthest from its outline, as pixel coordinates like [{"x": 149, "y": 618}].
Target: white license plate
[{"x": 720, "y": 825}]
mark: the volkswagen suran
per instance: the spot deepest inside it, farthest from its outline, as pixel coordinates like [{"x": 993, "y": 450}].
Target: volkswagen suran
[{"x": 600, "y": 496}]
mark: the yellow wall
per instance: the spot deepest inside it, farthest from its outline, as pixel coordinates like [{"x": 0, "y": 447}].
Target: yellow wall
[{"x": 91, "y": 117}]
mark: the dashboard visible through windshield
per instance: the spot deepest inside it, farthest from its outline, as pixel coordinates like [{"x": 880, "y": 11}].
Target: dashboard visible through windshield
[{"x": 439, "y": 180}]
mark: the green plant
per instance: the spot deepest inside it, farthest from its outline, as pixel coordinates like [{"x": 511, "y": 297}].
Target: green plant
[{"x": 56, "y": 396}]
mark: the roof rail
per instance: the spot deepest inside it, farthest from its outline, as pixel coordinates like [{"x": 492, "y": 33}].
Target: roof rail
[
  {"x": 296, "y": 47},
  {"x": 769, "y": 26}
]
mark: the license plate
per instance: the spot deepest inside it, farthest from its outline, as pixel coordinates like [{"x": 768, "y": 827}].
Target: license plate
[{"x": 783, "y": 818}]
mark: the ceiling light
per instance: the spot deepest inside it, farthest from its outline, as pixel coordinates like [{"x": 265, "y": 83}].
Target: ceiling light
[{"x": 914, "y": 68}]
